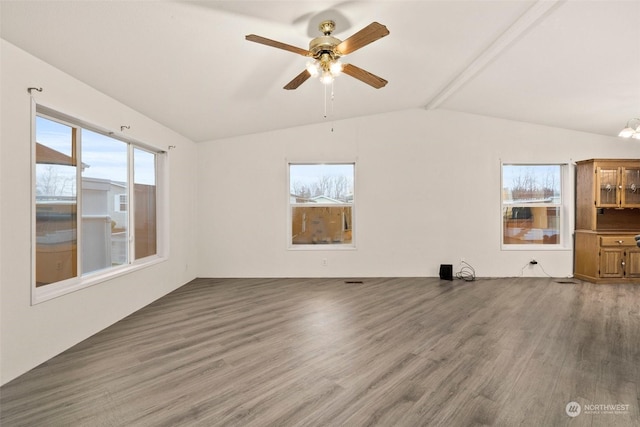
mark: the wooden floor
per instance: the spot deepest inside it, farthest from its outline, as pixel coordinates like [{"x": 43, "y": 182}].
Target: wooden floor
[{"x": 322, "y": 352}]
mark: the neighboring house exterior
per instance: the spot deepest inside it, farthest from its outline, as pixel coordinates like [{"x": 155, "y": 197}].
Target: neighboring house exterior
[
  {"x": 325, "y": 200},
  {"x": 118, "y": 204}
]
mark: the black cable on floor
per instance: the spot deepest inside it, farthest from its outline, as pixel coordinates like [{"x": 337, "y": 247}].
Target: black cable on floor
[{"x": 466, "y": 272}]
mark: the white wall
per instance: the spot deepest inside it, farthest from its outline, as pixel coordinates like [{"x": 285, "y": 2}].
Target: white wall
[
  {"x": 427, "y": 193},
  {"x": 30, "y": 335}
]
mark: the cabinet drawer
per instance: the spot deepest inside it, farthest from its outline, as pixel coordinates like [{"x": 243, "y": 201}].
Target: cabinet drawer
[{"x": 617, "y": 241}]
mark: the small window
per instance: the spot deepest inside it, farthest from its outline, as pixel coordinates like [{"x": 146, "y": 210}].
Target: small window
[
  {"x": 531, "y": 205},
  {"x": 120, "y": 203},
  {"x": 321, "y": 205}
]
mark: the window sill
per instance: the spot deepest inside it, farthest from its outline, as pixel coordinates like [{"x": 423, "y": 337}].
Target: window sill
[
  {"x": 322, "y": 247},
  {"x": 533, "y": 247},
  {"x": 59, "y": 289}
]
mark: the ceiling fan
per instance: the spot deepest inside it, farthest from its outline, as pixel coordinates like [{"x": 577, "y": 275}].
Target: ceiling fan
[{"x": 326, "y": 51}]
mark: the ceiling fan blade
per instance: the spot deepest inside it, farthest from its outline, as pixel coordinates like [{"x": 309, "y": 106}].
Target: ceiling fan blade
[
  {"x": 279, "y": 45},
  {"x": 368, "y": 34},
  {"x": 364, "y": 76},
  {"x": 298, "y": 80}
]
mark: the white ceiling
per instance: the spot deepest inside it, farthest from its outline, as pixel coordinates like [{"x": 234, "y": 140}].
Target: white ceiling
[{"x": 570, "y": 64}]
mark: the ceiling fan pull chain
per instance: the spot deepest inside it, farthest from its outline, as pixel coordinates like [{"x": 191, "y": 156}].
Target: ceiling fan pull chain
[
  {"x": 326, "y": 88},
  {"x": 332, "y": 98},
  {"x": 325, "y": 101}
]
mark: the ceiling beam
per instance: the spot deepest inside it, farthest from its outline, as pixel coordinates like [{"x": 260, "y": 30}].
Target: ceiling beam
[{"x": 529, "y": 19}]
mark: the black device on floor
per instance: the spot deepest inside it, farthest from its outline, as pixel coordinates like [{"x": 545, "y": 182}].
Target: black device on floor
[{"x": 446, "y": 272}]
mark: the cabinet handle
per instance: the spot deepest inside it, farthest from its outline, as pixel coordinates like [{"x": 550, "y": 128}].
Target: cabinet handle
[
  {"x": 620, "y": 241},
  {"x": 623, "y": 263}
]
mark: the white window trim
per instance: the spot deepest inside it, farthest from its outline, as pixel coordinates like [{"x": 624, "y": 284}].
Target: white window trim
[
  {"x": 324, "y": 246},
  {"x": 566, "y": 200},
  {"x": 58, "y": 289}
]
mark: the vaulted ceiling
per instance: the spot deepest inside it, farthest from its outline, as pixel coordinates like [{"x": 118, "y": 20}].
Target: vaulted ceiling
[{"x": 186, "y": 64}]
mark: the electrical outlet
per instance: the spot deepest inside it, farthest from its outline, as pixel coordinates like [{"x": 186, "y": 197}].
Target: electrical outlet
[{"x": 324, "y": 262}]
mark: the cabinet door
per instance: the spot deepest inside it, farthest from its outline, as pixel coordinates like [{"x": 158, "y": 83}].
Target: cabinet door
[
  {"x": 632, "y": 263},
  {"x": 607, "y": 183},
  {"x": 611, "y": 262},
  {"x": 631, "y": 187}
]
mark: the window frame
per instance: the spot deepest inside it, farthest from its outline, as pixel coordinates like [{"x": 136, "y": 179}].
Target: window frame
[
  {"x": 562, "y": 205},
  {"x": 81, "y": 281},
  {"x": 323, "y": 246}
]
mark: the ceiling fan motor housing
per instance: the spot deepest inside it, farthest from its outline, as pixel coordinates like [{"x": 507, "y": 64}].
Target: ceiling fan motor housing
[{"x": 324, "y": 44}]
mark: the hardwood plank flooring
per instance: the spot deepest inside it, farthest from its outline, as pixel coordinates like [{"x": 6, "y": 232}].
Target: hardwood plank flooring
[{"x": 322, "y": 352}]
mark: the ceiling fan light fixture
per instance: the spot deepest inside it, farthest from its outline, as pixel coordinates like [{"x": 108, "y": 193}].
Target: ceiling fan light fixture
[
  {"x": 313, "y": 67},
  {"x": 326, "y": 77},
  {"x": 335, "y": 68},
  {"x": 630, "y": 130}
]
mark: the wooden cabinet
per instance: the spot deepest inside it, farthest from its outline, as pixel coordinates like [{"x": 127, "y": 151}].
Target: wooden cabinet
[
  {"x": 607, "y": 220},
  {"x": 603, "y": 257}
]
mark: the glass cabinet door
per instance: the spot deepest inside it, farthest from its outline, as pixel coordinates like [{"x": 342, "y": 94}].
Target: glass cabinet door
[
  {"x": 631, "y": 186},
  {"x": 607, "y": 192}
]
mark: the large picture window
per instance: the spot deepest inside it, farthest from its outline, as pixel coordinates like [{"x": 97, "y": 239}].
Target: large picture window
[
  {"x": 321, "y": 205},
  {"x": 94, "y": 203},
  {"x": 531, "y": 204}
]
